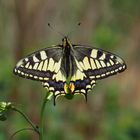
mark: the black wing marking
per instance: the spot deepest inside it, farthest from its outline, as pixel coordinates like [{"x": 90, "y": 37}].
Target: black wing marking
[
  {"x": 84, "y": 86},
  {"x": 41, "y": 65},
  {"x": 97, "y": 63}
]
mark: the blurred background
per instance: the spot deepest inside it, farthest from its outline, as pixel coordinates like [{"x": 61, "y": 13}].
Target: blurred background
[{"x": 113, "y": 109}]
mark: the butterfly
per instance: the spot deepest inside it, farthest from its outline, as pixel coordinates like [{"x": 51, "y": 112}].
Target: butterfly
[{"x": 69, "y": 69}]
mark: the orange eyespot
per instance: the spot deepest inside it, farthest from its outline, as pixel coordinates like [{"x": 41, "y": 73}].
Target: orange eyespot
[
  {"x": 65, "y": 88},
  {"x": 72, "y": 87},
  {"x": 69, "y": 88}
]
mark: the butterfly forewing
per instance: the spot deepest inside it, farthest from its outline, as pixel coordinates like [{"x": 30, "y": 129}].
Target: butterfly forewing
[
  {"x": 40, "y": 65},
  {"x": 98, "y": 64}
]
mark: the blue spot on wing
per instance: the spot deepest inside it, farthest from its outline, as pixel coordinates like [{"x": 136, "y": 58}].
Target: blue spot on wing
[
  {"x": 81, "y": 84},
  {"x": 58, "y": 86}
]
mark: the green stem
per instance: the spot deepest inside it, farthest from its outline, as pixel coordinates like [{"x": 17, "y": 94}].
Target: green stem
[
  {"x": 27, "y": 119},
  {"x": 21, "y": 130},
  {"x": 42, "y": 116}
]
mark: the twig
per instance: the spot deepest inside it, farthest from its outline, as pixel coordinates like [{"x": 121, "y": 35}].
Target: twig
[{"x": 24, "y": 129}]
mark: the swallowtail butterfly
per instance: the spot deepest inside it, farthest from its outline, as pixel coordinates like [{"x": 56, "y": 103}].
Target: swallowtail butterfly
[{"x": 69, "y": 69}]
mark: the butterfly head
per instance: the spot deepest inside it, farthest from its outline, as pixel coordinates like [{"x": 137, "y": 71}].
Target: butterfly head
[{"x": 66, "y": 42}]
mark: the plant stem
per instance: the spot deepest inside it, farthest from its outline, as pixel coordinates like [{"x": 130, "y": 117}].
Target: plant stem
[
  {"x": 21, "y": 130},
  {"x": 42, "y": 116},
  {"x": 27, "y": 119}
]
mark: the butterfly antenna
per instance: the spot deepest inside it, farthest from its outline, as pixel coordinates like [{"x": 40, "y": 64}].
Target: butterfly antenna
[
  {"x": 78, "y": 25},
  {"x": 55, "y": 30}
]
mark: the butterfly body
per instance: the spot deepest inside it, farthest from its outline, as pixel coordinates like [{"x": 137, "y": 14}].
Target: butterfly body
[
  {"x": 67, "y": 60},
  {"x": 69, "y": 69}
]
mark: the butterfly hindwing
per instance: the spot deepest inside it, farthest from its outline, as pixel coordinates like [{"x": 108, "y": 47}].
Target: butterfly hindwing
[{"x": 98, "y": 64}]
